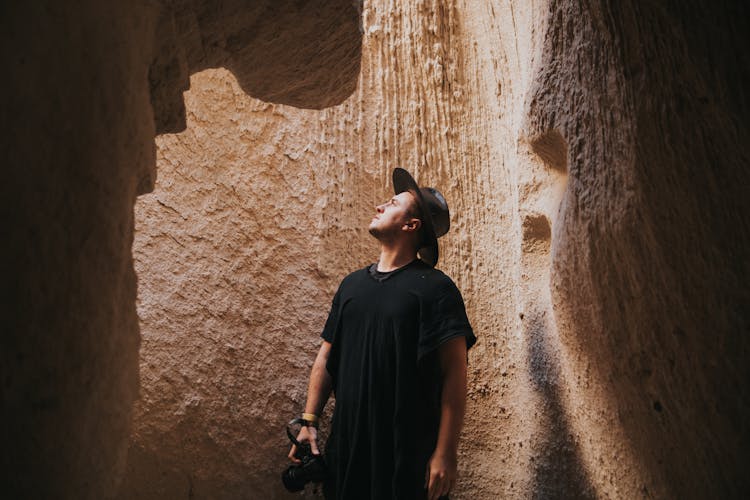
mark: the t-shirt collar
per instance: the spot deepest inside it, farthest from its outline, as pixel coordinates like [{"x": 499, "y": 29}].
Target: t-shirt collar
[{"x": 381, "y": 276}]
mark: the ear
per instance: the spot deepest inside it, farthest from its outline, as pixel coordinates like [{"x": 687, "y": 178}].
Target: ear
[{"x": 412, "y": 225}]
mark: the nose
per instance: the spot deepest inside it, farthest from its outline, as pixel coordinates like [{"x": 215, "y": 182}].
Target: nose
[{"x": 379, "y": 209}]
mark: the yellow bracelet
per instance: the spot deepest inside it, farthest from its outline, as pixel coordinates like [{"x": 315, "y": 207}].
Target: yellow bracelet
[{"x": 310, "y": 417}]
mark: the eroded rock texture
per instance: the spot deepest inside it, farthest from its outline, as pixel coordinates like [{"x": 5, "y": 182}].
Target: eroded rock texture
[
  {"x": 305, "y": 54},
  {"x": 592, "y": 154},
  {"x": 82, "y": 102},
  {"x": 77, "y": 130},
  {"x": 592, "y": 158}
]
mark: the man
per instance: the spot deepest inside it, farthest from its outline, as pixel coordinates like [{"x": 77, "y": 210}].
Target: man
[{"x": 394, "y": 353}]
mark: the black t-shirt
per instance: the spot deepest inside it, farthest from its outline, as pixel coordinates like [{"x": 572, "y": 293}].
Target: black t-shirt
[{"x": 385, "y": 331}]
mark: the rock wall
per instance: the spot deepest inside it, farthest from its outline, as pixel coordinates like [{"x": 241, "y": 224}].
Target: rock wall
[
  {"x": 591, "y": 154},
  {"x": 87, "y": 87},
  {"x": 77, "y": 134}
]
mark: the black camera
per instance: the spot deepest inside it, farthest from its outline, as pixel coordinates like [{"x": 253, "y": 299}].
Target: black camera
[{"x": 311, "y": 470}]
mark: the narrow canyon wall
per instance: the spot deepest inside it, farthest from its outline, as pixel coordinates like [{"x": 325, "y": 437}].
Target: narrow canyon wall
[
  {"x": 77, "y": 134},
  {"x": 650, "y": 269},
  {"x": 87, "y": 87},
  {"x": 591, "y": 155}
]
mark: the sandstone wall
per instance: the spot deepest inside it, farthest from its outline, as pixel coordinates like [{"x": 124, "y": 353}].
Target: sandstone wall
[
  {"x": 591, "y": 157},
  {"x": 77, "y": 134},
  {"x": 87, "y": 86}
]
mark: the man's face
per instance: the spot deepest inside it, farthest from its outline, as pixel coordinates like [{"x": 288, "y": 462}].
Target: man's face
[{"x": 393, "y": 215}]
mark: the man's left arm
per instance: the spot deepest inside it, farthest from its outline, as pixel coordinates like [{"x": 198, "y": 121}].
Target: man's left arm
[{"x": 441, "y": 469}]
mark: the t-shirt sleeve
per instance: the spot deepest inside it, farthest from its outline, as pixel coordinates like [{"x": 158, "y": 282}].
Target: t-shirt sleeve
[
  {"x": 332, "y": 323},
  {"x": 442, "y": 319}
]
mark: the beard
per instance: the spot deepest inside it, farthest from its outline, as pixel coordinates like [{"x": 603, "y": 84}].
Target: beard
[
  {"x": 389, "y": 231},
  {"x": 376, "y": 232},
  {"x": 382, "y": 233}
]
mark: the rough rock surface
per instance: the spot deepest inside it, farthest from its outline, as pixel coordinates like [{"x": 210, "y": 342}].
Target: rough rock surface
[
  {"x": 592, "y": 157},
  {"x": 77, "y": 132},
  {"x": 305, "y": 54},
  {"x": 78, "y": 120}
]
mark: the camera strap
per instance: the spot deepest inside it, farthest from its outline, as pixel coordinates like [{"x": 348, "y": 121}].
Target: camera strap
[{"x": 295, "y": 421}]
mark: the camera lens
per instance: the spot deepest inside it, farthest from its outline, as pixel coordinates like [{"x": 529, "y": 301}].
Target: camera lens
[{"x": 291, "y": 481}]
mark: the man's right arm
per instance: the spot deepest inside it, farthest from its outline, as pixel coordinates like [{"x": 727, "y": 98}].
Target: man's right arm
[{"x": 318, "y": 391}]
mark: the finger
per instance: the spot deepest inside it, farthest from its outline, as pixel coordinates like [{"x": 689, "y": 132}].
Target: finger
[
  {"x": 434, "y": 488},
  {"x": 446, "y": 488},
  {"x": 442, "y": 487},
  {"x": 314, "y": 447},
  {"x": 292, "y": 456},
  {"x": 438, "y": 490}
]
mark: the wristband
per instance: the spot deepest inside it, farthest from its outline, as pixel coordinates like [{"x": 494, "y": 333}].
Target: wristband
[{"x": 310, "y": 419}]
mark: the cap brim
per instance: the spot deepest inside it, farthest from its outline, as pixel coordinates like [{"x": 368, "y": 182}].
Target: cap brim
[{"x": 403, "y": 181}]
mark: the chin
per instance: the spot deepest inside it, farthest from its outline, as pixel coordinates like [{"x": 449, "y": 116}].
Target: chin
[{"x": 373, "y": 230}]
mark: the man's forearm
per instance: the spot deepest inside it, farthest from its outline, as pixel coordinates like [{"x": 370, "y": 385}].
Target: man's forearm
[
  {"x": 452, "y": 408},
  {"x": 319, "y": 388},
  {"x": 453, "y": 398},
  {"x": 443, "y": 464}
]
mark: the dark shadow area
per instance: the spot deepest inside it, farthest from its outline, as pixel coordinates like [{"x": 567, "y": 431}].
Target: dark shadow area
[
  {"x": 681, "y": 348},
  {"x": 304, "y": 54},
  {"x": 87, "y": 88},
  {"x": 656, "y": 236},
  {"x": 558, "y": 469}
]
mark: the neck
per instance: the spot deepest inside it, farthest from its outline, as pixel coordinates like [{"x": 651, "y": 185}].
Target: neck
[{"x": 393, "y": 256}]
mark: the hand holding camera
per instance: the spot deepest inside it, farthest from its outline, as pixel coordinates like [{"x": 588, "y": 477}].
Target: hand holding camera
[
  {"x": 307, "y": 435},
  {"x": 309, "y": 465}
]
